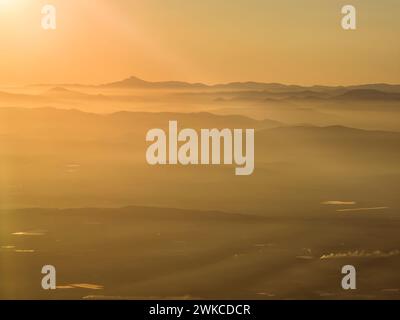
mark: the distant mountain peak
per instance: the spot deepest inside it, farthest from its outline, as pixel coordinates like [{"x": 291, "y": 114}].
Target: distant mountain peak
[{"x": 135, "y": 82}]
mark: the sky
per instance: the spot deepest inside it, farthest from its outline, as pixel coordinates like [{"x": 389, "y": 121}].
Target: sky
[{"x": 210, "y": 41}]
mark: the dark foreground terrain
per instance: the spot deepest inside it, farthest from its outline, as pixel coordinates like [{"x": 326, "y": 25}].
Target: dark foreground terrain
[{"x": 138, "y": 252}]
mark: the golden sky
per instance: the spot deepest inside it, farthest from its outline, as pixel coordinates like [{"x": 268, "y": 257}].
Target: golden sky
[{"x": 288, "y": 41}]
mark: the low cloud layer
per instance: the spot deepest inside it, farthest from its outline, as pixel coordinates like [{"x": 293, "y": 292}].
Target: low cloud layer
[{"x": 361, "y": 254}]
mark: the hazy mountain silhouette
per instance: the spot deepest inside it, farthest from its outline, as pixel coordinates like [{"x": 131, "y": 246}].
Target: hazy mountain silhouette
[
  {"x": 378, "y": 86},
  {"x": 132, "y": 127},
  {"x": 40, "y": 121},
  {"x": 135, "y": 82},
  {"x": 61, "y": 157},
  {"x": 61, "y": 92},
  {"x": 368, "y": 94},
  {"x": 351, "y": 95}
]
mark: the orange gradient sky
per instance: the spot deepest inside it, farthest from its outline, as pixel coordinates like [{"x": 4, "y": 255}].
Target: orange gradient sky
[{"x": 207, "y": 41}]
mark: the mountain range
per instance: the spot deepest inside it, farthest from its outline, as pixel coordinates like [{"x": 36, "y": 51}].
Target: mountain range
[{"x": 137, "y": 83}]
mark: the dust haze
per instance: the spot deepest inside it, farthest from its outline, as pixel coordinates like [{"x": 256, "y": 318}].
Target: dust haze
[{"x": 77, "y": 192}]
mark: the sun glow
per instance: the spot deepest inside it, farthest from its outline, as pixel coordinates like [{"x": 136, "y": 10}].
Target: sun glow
[
  {"x": 12, "y": 6},
  {"x": 5, "y": 2}
]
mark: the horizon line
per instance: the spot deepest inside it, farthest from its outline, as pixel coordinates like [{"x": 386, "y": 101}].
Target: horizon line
[{"x": 208, "y": 84}]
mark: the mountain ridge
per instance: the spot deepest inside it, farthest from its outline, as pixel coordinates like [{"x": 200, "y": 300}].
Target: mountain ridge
[{"x": 133, "y": 82}]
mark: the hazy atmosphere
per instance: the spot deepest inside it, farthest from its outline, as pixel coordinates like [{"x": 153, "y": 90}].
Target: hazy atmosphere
[
  {"x": 76, "y": 191},
  {"x": 200, "y": 41}
]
